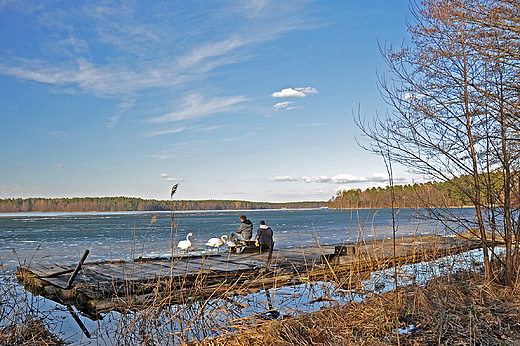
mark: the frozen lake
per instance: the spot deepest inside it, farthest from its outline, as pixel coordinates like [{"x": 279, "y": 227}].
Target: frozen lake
[{"x": 63, "y": 237}]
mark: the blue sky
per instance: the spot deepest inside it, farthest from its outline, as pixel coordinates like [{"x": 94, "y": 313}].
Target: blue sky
[{"x": 248, "y": 100}]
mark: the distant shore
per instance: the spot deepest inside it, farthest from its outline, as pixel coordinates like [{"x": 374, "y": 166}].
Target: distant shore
[{"x": 111, "y": 204}]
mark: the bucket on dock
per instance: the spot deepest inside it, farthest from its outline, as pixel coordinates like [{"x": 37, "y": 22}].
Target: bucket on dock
[{"x": 343, "y": 250}]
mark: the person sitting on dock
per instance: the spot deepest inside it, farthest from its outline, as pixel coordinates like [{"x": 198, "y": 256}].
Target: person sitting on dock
[
  {"x": 244, "y": 231},
  {"x": 264, "y": 236}
]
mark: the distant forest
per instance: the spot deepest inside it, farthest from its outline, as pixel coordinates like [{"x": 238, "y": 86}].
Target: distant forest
[
  {"x": 431, "y": 194},
  {"x": 99, "y": 204}
]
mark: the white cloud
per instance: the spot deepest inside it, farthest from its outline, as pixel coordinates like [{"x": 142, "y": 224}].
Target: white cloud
[
  {"x": 337, "y": 179},
  {"x": 123, "y": 106},
  {"x": 284, "y": 179},
  {"x": 209, "y": 128},
  {"x": 163, "y": 157},
  {"x": 59, "y": 165},
  {"x": 252, "y": 8},
  {"x": 211, "y": 50},
  {"x": 165, "y": 177},
  {"x": 380, "y": 177},
  {"x": 346, "y": 178},
  {"x": 5, "y": 3},
  {"x": 342, "y": 188},
  {"x": 21, "y": 165},
  {"x": 232, "y": 139},
  {"x": 281, "y": 105},
  {"x": 145, "y": 52},
  {"x": 197, "y": 106},
  {"x": 410, "y": 96},
  {"x": 317, "y": 179},
  {"x": 164, "y": 131},
  {"x": 296, "y": 92}
]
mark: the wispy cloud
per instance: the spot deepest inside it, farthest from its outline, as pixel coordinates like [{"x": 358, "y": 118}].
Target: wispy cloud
[
  {"x": 123, "y": 106},
  {"x": 197, "y": 106},
  {"x": 3, "y": 4},
  {"x": 337, "y": 179},
  {"x": 21, "y": 165},
  {"x": 413, "y": 96},
  {"x": 166, "y": 177},
  {"x": 59, "y": 165},
  {"x": 116, "y": 50},
  {"x": 211, "y": 50},
  {"x": 163, "y": 157},
  {"x": 296, "y": 92},
  {"x": 281, "y": 105},
  {"x": 233, "y": 139},
  {"x": 284, "y": 178},
  {"x": 345, "y": 179},
  {"x": 164, "y": 131},
  {"x": 209, "y": 128}
]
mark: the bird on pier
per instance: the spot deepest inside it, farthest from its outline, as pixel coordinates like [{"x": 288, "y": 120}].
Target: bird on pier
[
  {"x": 217, "y": 242},
  {"x": 185, "y": 244}
]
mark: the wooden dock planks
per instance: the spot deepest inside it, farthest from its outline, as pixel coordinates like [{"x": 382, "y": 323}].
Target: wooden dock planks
[
  {"x": 103, "y": 284},
  {"x": 48, "y": 269}
]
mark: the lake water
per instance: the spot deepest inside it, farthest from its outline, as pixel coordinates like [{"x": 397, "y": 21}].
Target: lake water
[{"x": 63, "y": 237}]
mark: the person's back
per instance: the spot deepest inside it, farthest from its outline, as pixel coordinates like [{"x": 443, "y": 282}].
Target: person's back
[{"x": 264, "y": 235}]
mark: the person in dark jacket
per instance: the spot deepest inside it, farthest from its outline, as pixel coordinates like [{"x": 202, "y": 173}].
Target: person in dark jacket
[
  {"x": 264, "y": 235},
  {"x": 244, "y": 230}
]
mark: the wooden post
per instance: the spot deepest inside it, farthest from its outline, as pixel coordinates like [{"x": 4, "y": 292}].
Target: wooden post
[
  {"x": 268, "y": 266},
  {"x": 78, "y": 267}
]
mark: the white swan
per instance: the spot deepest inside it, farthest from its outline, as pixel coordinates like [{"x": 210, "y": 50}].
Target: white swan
[
  {"x": 217, "y": 242},
  {"x": 185, "y": 244}
]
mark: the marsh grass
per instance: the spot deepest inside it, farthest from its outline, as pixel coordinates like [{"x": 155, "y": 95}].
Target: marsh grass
[
  {"x": 21, "y": 320},
  {"x": 455, "y": 309}
]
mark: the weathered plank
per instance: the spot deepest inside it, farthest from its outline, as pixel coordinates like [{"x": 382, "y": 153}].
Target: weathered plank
[
  {"x": 137, "y": 272},
  {"x": 220, "y": 266},
  {"x": 48, "y": 269}
]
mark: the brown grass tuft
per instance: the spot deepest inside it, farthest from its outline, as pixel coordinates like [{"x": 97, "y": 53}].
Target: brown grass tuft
[
  {"x": 32, "y": 332},
  {"x": 457, "y": 309}
]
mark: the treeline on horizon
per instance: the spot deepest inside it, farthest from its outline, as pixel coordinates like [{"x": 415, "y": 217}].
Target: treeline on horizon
[
  {"x": 103, "y": 204},
  {"x": 418, "y": 195}
]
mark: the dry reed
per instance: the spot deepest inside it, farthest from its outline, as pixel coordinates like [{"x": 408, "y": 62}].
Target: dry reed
[
  {"x": 456, "y": 309},
  {"x": 21, "y": 323}
]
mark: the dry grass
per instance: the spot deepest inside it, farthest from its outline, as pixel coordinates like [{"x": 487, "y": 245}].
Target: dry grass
[
  {"x": 457, "y": 309},
  {"x": 20, "y": 321},
  {"x": 30, "y": 332}
]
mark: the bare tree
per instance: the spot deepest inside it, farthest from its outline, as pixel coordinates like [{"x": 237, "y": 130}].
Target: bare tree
[{"x": 453, "y": 96}]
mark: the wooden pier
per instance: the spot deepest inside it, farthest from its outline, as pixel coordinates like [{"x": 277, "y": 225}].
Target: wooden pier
[{"x": 142, "y": 282}]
